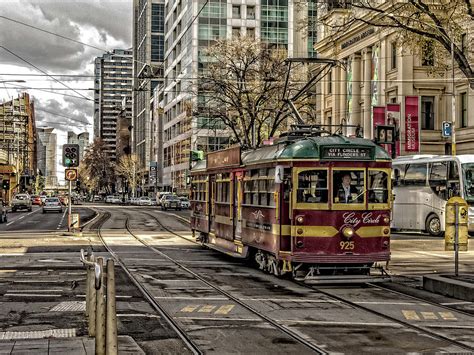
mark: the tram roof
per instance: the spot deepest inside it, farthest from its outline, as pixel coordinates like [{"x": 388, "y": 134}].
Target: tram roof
[{"x": 310, "y": 148}]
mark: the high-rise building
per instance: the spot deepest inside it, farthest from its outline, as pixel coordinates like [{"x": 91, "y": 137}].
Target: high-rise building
[
  {"x": 275, "y": 22},
  {"x": 113, "y": 85},
  {"x": 148, "y": 54},
  {"x": 17, "y": 143},
  {"x": 47, "y": 155}
]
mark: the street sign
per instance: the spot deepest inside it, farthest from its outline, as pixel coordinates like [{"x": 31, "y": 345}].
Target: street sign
[
  {"x": 446, "y": 129},
  {"x": 74, "y": 221},
  {"x": 71, "y": 174}
]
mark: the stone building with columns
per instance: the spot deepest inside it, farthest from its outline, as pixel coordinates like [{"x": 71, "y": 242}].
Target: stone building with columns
[{"x": 375, "y": 70}]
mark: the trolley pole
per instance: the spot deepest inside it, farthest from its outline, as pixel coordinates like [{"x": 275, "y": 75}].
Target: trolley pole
[{"x": 69, "y": 208}]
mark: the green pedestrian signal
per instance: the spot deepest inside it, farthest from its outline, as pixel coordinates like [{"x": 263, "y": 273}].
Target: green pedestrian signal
[{"x": 197, "y": 155}]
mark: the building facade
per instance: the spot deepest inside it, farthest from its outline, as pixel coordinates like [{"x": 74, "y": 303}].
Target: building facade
[
  {"x": 82, "y": 139},
  {"x": 184, "y": 129},
  {"x": 148, "y": 54},
  {"x": 113, "y": 85},
  {"x": 18, "y": 156},
  {"x": 382, "y": 76},
  {"x": 47, "y": 156}
]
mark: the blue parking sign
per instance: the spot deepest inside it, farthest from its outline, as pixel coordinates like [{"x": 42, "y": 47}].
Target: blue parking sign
[{"x": 446, "y": 129}]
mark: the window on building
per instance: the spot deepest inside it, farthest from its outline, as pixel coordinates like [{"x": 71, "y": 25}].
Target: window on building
[
  {"x": 393, "y": 55},
  {"x": 251, "y": 33},
  {"x": 235, "y": 11},
  {"x": 235, "y": 32},
  {"x": 427, "y": 112},
  {"x": 428, "y": 54},
  {"x": 330, "y": 82},
  {"x": 250, "y": 12},
  {"x": 463, "y": 105}
]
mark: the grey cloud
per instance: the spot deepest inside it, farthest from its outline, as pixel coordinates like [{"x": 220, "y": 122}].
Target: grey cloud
[
  {"x": 72, "y": 115},
  {"x": 111, "y": 19}
]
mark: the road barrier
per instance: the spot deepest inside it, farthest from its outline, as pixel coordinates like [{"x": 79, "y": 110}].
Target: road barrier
[{"x": 101, "y": 311}]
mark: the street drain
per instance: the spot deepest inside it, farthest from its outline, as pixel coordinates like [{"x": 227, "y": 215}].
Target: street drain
[
  {"x": 69, "y": 306},
  {"x": 39, "y": 334}
]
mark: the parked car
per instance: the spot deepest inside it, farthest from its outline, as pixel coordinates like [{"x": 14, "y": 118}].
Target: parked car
[
  {"x": 21, "y": 202},
  {"x": 3, "y": 211},
  {"x": 144, "y": 201},
  {"x": 36, "y": 200},
  {"x": 185, "y": 202},
  {"x": 170, "y": 201},
  {"x": 43, "y": 198},
  {"x": 109, "y": 199},
  {"x": 52, "y": 204},
  {"x": 97, "y": 198},
  {"x": 160, "y": 197}
]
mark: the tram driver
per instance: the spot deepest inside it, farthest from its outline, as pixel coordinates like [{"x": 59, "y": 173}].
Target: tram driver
[{"x": 346, "y": 192}]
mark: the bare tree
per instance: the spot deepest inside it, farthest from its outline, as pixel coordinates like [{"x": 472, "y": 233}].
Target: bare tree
[
  {"x": 434, "y": 27},
  {"x": 128, "y": 166},
  {"x": 244, "y": 86},
  {"x": 97, "y": 168}
]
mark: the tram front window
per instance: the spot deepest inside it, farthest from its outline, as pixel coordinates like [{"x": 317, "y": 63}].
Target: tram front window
[
  {"x": 313, "y": 186},
  {"x": 348, "y": 186},
  {"x": 378, "y": 186}
]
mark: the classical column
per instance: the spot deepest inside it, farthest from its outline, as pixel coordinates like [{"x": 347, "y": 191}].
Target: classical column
[
  {"x": 355, "y": 118},
  {"x": 367, "y": 124}
]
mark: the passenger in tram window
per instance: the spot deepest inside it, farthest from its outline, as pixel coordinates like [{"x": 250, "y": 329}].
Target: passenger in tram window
[{"x": 346, "y": 192}]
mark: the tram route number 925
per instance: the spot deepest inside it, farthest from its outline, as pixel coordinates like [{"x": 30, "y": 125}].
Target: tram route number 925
[{"x": 347, "y": 245}]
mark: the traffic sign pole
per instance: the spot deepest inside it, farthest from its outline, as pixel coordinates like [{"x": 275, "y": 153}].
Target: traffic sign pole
[{"x": 69, "y": 207}]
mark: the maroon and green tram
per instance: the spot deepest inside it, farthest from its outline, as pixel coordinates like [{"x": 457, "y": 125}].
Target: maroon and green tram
[{"x": 307, "y": 206}]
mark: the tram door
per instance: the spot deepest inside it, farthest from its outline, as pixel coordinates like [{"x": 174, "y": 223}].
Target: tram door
[
  {"x": 236, "y": 186},
  {"x": 284, "y": 212},
  {"x": 212, "y": 204}
]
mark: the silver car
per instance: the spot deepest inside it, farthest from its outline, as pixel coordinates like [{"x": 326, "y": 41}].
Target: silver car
[
  {"x": 52, "y": 204},
  {"x": 3, "y": 211}
]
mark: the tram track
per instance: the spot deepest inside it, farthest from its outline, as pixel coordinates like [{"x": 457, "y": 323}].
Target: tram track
[
  {"x": 221, "y": 291},
  {"x": 372, "y": 311},
  {"x": 97, "y": 225}
]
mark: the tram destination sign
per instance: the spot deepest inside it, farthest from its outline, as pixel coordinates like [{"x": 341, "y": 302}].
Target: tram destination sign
[{"x": 346, "y": 153}]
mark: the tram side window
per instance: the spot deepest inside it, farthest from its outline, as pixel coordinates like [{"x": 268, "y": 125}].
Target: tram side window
[
  {"x": 348, "y": 186},
  {"x": 271, "y": 187},
  {"x": 415, "y": 175},
  {"x": 312, "y": 186},
  {"x": 378, "y": 186}
]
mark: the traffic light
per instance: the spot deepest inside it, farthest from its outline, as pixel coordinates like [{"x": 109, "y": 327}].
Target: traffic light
[
  {"x": 6, "y": 184},
  {"x": 197, "y": 155},
  {"x": 71, "y": 155}
]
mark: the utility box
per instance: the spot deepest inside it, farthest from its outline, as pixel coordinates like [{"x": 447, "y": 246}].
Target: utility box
[{"x": 456, "y": 205}]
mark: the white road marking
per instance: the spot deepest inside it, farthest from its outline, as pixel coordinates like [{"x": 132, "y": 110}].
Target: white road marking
[
  {"x": 138, "y": 315},
  {"x": 433, "y": 254},
  {"x": 30, "y": 295},
  {"x": 62, "y": 219},
  {"x": 20, "y": 218}
]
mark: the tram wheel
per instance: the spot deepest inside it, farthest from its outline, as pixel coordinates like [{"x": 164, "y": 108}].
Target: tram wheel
[{"x": 433, "y": 225}]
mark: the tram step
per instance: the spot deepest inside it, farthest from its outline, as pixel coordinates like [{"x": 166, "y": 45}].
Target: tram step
[
  {"x": 343, "y": 279},
  {"x": 226, "y": 251}
]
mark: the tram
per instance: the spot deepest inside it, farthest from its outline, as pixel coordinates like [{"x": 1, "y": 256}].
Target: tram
[{"x": 310, "y": 205}]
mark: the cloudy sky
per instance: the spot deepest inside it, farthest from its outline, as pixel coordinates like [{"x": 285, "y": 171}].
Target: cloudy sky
[{"x": 27, "y": 53}]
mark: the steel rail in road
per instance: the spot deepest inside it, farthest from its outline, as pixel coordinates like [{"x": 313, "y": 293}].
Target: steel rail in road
[
  {"x": 163, "y": 313},
  {"x": 393, "y": 319},
  {"x": 274, "y": 323}
]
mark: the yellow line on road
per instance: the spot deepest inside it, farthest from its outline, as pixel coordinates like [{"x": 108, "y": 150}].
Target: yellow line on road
[
  {"x": 189, "y": 309},
  {"x": 225, "y": 309},
  {"x": 410, "y": 315},
  {"x": 429, "y": 315},
  {"x": 206, "y": 309},
  {"x": 447, "y": 316}
]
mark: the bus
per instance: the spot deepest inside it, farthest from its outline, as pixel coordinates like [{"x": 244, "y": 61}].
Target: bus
[{"x": 422, "y": 184}]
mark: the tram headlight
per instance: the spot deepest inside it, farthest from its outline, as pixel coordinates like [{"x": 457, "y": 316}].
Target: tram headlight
[{"x": 348, "y": 232}]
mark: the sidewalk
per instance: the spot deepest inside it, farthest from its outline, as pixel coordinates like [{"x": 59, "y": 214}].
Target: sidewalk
[
  {"x": 69, "y": 346},
  {"x": 460, "y": 287}
]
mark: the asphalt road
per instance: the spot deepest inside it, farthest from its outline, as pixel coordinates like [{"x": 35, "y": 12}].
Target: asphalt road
[{"x": 36, "y": 221}]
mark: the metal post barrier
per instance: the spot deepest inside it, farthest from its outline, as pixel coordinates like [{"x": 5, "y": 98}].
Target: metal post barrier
[
  {"x": 111, "y": 320},
  {"x": 100, "y": 313},
  {"x": 91, "y": 287}
]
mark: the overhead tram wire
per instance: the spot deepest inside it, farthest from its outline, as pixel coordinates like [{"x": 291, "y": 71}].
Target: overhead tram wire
[
  {"x": 19, "y": 87},
  {"x": 44, "y": 72}
]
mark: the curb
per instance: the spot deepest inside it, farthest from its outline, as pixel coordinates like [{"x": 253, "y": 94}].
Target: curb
[{"x": 449, "y": 287}]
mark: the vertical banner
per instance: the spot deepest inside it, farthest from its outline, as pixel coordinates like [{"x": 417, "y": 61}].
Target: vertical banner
[
  {"x": 393, "y": 118},
  {"x": 412, "y": 124},
  {"x": 379, "y": 117},
  {"x": 375, "y": 76},
  {"x": 349, "y": 89}
]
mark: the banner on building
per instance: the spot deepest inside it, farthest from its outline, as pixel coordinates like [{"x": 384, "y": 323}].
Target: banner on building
[
  {"x": 375, "y": 76},
  {"x": 349, "y": 89},
  {"x": 153, "y": 173},
  {"x": 412, "y": 124},
  {"x": 378, "y": 113},
  {"x": 393, "y": 118}
]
